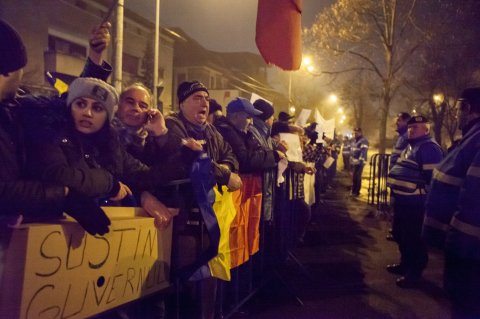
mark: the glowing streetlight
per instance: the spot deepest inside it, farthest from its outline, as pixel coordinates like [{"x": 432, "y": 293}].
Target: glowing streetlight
[
  {"x": 438, "y": 98},
  {"x": 343, "y": 117},
  {"x": 333, "y": 98},
  {"x": 292, "y": 109},
  {"x": 310, "y": 68},
  {"x": 306, "y": 61},
  {"x": 340, "y": 110}
]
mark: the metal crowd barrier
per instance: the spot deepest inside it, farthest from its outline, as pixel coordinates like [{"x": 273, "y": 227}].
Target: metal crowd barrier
[
  {"x": 277, "y": 239},
  {"x": 378, "y": 194}
]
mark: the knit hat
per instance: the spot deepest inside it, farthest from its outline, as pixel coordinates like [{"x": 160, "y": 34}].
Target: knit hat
[
  {"x": 95, "y": 89},
  {"x": 242, "y": 105},
  {"x": 472, "y": 97},
  {"x": 13, "y": 55},
  {"x": 214, "y": 106},
  {"x": 284, "y": 117},
  {"x": 417, "y": 119},
  {"x": 404, "y": 116},
  {"x": 185, "y": 89},
  {"x": 265, "y": 107}
]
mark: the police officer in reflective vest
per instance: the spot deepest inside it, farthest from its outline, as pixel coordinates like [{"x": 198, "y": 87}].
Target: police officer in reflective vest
[
  {"x": 346, "y": 153},
  {"x": 453, "y": 210},
  {"x": 409, "y": 179},
  {"x": 358, "y": 157},
  {"x": 402, "y": 141}
]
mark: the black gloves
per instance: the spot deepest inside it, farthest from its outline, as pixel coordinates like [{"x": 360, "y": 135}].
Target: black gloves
[{"x": 87, "y": 213}]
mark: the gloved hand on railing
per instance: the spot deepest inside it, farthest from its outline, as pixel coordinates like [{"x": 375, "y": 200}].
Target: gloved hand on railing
[{"x": 86, "y": 211}]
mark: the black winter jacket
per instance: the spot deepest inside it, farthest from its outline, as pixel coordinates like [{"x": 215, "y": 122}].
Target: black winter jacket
[
  {"x": 19, "y": 193},
  {"x": 82, "y": 163},
  {"x": 175, "y": 154},
  {"x": 252, "y": 156}
]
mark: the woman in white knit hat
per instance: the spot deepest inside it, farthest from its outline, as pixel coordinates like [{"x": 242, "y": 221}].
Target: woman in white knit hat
[{"x": 81, "y": 149}]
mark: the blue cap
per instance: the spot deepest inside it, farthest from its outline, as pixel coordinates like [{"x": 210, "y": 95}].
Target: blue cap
[{"x": 242, "y": 105}]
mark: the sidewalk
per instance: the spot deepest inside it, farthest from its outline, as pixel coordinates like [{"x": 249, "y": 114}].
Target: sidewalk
[{"x": 345, "y": 255}]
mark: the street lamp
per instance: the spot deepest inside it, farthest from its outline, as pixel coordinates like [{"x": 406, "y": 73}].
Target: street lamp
[
  {"x": 438, "y": 98},
  {"x": 333, "y": 98},
  {"x": 307, "y": 63}
]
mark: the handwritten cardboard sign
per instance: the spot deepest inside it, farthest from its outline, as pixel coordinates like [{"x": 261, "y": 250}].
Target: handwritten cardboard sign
[{"x": 59, "y": 271}]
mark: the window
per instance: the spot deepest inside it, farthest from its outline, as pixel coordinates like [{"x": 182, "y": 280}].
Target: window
[
  {"x": 56, "y": 44},
  {"x": 130, "y": 64},
  {"x": 181, "y": 77}
]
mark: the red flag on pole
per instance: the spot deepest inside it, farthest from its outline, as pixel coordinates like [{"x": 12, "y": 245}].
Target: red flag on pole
[{"x": 279, "y": 29}]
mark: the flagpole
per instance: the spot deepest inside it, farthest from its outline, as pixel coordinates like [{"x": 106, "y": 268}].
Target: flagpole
[
  {"x": 289, "y": 90},
  {"x": 117, "y": 71},
  {"x": 156, "y": 53}
]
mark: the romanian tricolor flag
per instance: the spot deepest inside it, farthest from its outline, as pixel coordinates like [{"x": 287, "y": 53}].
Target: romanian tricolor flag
[
  {"x": 58, "y": 84},
  {"x": 279, "y": 32}
]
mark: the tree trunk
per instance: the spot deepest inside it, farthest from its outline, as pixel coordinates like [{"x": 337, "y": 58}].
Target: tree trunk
[{"x": 382, "y": 132}]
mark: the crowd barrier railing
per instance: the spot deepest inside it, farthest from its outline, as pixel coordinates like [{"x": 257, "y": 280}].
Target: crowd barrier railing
[
  {"x": 378, "y": 193},
  {"x": 58, "y": 269}
]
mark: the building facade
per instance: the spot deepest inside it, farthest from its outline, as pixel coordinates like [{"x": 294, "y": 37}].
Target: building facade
[{"x": 56, "y": 34}]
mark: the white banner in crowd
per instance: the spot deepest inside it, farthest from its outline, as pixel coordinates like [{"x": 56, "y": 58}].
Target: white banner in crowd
[
  {"x": 329, "y": 128},
  {"x": 302, "y": 118},
  {"x": 324, "y": 126},
  {"x": 318, "y": 118},
  {"x": 294, "y": 152},
  {"x": 320, "y": 124},
  {"x": 256, "y": 97}
]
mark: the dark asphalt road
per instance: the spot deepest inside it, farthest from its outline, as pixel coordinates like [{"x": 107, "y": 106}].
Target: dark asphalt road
[{"x": 345, "y": 255}]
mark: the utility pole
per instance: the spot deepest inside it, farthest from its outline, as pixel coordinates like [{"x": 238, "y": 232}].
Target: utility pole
[
  {"x": 156, "y": 53},
  {"x": 117, "y": 70}
]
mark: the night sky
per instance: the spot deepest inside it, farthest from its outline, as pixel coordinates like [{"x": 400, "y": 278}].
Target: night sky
[{"x": 219, "y": 25}]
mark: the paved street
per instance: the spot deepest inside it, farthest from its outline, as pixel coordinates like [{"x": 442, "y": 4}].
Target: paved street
[{"x": 345, "y": 255}]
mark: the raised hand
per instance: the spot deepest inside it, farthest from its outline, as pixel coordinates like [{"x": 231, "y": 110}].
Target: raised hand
[{"x": 99, "y": 41}]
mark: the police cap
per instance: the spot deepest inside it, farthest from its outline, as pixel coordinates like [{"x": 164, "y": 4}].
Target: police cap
[{"x": 417, "y": 119}]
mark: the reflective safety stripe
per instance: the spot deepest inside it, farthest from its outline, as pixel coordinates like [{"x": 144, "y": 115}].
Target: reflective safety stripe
[
  {"x": 474, "y": 171},
  {"x": 415, "y": 164},
  {"x": 416, "y": 192},
  {"x": 465, "y": 228},
  {"x": 435, "y": 223},
  {"x": 447, "y": 179},
  {"x": 404, "y": 184},
  {"x": 364, "y": 146},
  {"x": 429, "y": 167}
]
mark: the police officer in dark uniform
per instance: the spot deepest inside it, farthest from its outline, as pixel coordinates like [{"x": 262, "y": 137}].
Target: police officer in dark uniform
[
  {"x": 409, "y": 179},
  {"x": 358, "y": 157},
  {"x": 452, "y": 210}
]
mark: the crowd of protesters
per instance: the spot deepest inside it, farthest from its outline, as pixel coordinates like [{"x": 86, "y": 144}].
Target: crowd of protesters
[{"x": 92, "y": 147}]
